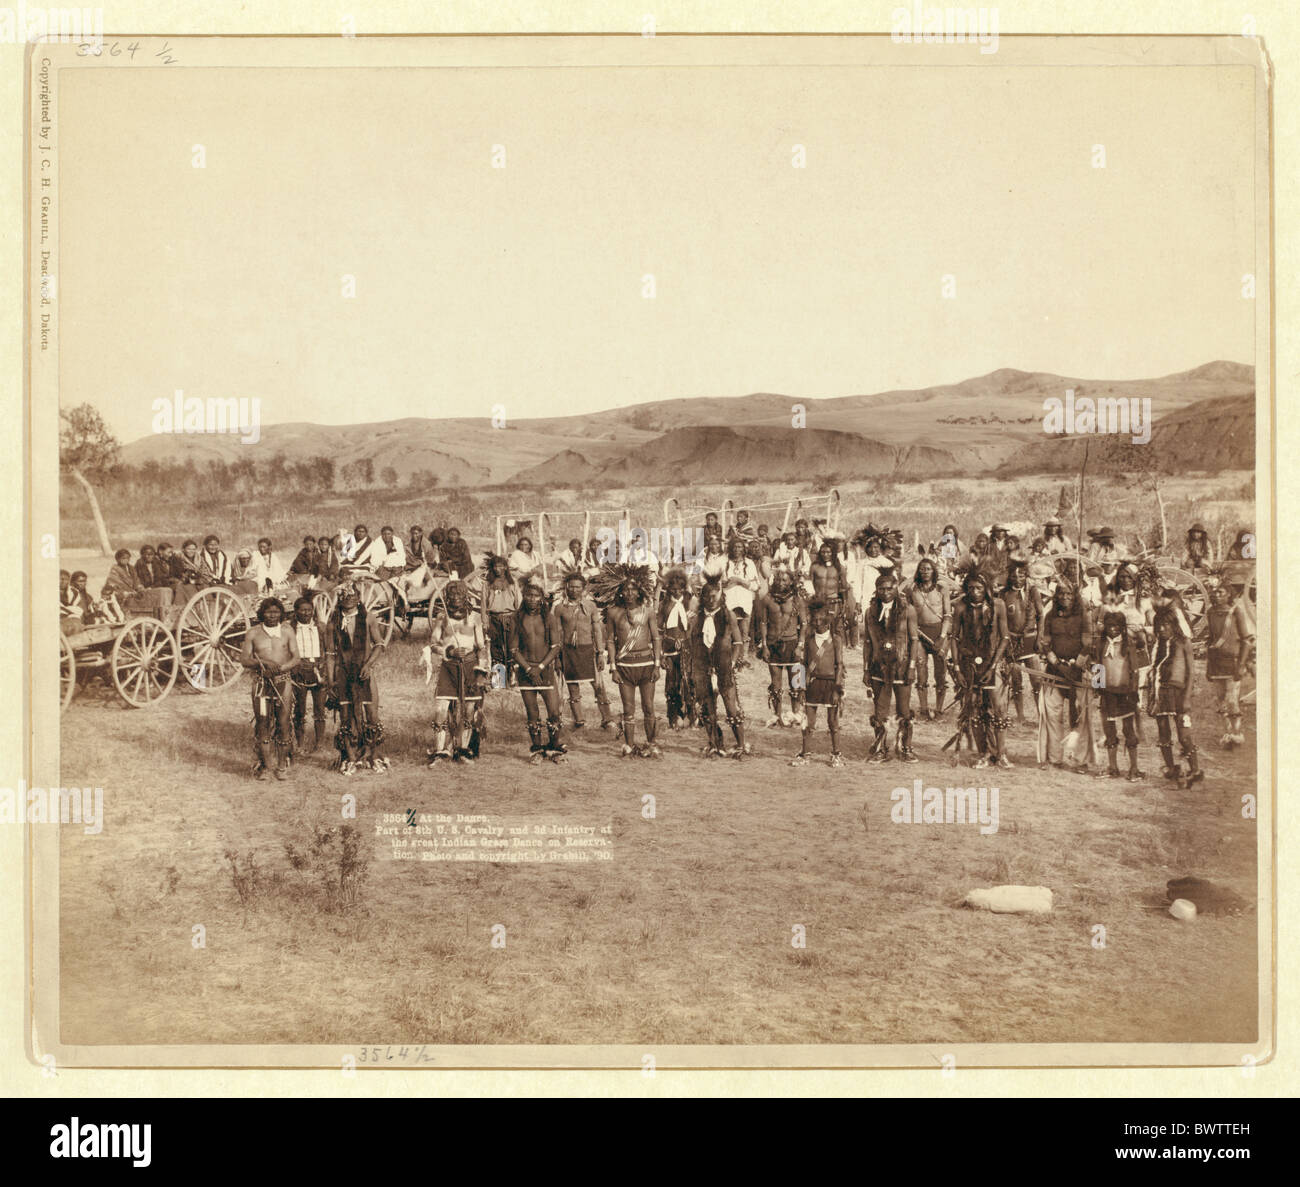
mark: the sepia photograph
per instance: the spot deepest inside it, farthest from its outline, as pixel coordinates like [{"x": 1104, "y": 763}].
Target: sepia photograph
[{"x": 735, "y": 552}]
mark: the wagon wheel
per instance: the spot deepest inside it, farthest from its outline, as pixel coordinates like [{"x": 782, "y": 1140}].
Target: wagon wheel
[
  {"x": 1064, "y": 562},
  {"x": 380, "y": 599},
  {"x": 1196, "y": 599},
  {"x": 143, "y": 662},
  {"x": 67, "y": 673},
  {"x": 401, "y": 612},
  {"x": 324, "y": 603},
  {"x": 211, "y": 630}
]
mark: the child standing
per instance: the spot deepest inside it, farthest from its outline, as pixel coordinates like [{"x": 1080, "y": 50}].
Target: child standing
[{"x": 1120, "y": 656}]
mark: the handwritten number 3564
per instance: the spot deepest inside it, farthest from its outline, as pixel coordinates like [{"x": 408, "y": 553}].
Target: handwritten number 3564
[{"x": 94, "y": 49}]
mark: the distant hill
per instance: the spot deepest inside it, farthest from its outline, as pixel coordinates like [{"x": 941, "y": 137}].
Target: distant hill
[
  {"x": 983, "y": 424},
  {"x": 567, "y": 468},
  {"x": 1216, "y": 434},
  {"x": 772, "y": 454}
]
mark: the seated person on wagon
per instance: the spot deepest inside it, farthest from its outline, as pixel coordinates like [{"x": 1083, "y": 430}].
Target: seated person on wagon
[
  {"x": 214, "y": 564},
  {"x": 188, "y": 576},
  {"x": 242, "y": 575},
  {"x": 302, "y": 570},
  {"x": 418, "y": 583},
  {"x": 268, "y": 569},
  {"x": 153, "y": 572},
  {"x": 74, "y": 603},
  {"x": 124, "y": 587},
  {"x": 456, "y": 555},
  {"x": 326, "y": 571},
  {"x": 385, "y": 557}
]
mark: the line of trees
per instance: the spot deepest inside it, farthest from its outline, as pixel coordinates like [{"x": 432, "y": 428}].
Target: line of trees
[
  {"x": 90, "y": 456},
  {"x": 246, "y": 478}
]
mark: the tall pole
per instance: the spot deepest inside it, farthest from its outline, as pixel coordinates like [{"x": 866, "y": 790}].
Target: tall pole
[{"x": 1083, "y": 469}]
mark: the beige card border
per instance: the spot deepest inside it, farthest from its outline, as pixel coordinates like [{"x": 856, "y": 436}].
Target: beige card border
[{"x": 44, "y": 845}]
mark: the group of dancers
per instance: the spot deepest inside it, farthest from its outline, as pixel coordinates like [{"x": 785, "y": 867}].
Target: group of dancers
[{"x": 1114, "y": 640}]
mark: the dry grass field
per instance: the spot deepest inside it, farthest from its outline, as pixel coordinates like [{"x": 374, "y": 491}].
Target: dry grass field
[{"x": 682, "y": 936}]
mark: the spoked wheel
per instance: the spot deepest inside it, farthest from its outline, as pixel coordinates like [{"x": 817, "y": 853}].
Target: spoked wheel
[
  {"x": 210, "y": 631},
  {"x": 1195, "y": 597},
  {"x": 67, "y": 673},
  {"x": 381, "y": 599},
  {"x": 143, "y": 662},
  {"x": 324, "y": 603}
]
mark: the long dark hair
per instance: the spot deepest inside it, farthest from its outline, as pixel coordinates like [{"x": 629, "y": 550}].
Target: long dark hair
[
  {"x": 835, "y": 554},
  {"x": 978, "y": 620},
  {"x": 896, "y": 607},
  {"x": 1076, "y": 602}
]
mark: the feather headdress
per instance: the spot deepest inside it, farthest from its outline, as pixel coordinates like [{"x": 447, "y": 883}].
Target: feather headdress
[
  {"x": 887, "y": 538},
  {"x": 609, "y": 586}
]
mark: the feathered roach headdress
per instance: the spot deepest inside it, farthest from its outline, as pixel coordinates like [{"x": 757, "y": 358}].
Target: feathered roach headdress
[
  {"x": 1148, "y": 577},
  {"x": 887, "y": 538},
  {"x": 608, "y": 587}
]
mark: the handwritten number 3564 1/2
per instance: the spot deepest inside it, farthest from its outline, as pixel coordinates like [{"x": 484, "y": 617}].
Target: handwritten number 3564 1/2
[{"x": 94, "y": 49}]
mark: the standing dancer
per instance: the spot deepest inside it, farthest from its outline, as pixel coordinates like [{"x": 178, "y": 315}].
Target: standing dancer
[
  {"x": 270, "y": 652},
  {"x": 1232, "y": 634},
  {"x": 823, "y": 661},
  {"x": 353, "y": 644},
  {"x": 308, "y": 683},
  {"x": 740, "y": 585},
  {"x": 458, "y": 725},
  {"x": 534, "y": 647},
  {"x": 1064, "y": 642},
  {"x": 500, "y": 603},
  {"x": 713, "y": 634},
  {"x": 1121, "y": 655},
  {"x": 782, "y": 625},
  {"x": 578, "y": 625},
  {"x": 933, "y": 621},
  {"x": 676, "y": 606},
  {"x": 1169, "y": 697},
  {"x": 830, "y": 584},
  {"x": 889, "y": 649},
  {"x": 633, "y": 645},
  {"x": 1023, "y": 612},
  {"x": 979, "y": 642}
]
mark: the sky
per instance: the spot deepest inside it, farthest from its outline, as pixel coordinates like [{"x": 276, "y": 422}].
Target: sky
[{"x": 522, "y": 286}]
